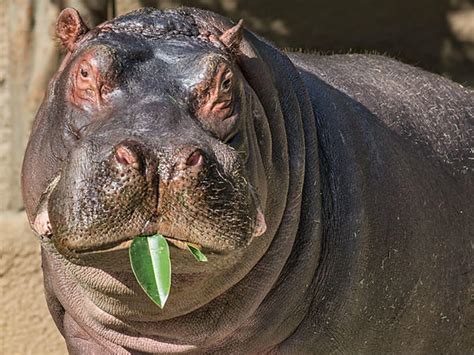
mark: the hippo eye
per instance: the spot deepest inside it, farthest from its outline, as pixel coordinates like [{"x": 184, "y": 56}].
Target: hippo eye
[
  {"x": 84, "y": 73},
  {"x": 85, "y": 70},
  {"x": 215, "y": 106},
  {"x": 226, "y": 84},
  {"x": 93, "y": 79}
]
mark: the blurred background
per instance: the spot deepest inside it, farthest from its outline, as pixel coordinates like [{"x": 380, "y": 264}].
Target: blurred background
[{"x": 437, "y": 35}]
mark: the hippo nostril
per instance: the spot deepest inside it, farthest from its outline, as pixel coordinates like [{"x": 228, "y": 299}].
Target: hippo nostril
[
  {"x": 189, "y": 159},
  {"x": 195, "y": 159},
  {"x": 125, "y": 155}
]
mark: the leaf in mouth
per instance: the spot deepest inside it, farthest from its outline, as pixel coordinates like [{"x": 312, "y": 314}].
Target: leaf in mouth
[
  {"x": 197, "y": 253},
  {"x": 151, "y": 265}
]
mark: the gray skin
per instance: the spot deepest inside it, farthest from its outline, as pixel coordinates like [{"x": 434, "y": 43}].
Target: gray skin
[{"x": 331, "y": 194}]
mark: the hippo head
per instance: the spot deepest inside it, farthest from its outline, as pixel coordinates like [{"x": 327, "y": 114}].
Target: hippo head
[
  {"x": 146, "y": 129},
  {"x": 176, "y": 122}
]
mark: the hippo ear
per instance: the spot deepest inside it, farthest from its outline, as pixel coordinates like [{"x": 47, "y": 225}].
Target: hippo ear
[
  {"x": 70, "y": 27},
  {"x": 233, "y": 36}
]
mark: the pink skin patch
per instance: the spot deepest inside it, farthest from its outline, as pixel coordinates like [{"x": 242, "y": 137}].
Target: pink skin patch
[
  {"x": 41, "y": 225},
  {"x": 260, "y": 224}
]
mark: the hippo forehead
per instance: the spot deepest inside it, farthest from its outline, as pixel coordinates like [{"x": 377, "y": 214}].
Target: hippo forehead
[
  {"x": 173, "y": 61},
  {"x": 178, "y": 59},
  {"x": 151, "y": 23},
  {"x": 149, "y": 48},
  {"x": 147, "y": 55}
]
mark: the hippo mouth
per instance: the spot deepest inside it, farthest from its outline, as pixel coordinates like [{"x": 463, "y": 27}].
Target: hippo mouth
[
  {"x": 43, "y": 227},
  {"x": 109, "y": 247},
  {"x": 125, "y": 244}
]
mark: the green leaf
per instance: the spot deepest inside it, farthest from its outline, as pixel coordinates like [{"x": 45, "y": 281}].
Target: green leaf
[
  {"x": 151, "y": 265},
  {"x": 197, "y": 253}
]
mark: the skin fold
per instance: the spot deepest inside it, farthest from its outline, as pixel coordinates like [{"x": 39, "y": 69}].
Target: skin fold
[{"x": 329, "y": 193}]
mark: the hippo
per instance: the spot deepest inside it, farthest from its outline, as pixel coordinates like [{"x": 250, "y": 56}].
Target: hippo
[{"x": 332, "y": 195}]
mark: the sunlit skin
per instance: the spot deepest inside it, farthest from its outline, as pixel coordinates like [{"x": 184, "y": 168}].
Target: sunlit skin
[{"x": 330, "y": 194}]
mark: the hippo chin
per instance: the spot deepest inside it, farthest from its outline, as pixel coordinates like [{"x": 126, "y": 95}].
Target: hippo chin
[{"x": 331, "y": 194}]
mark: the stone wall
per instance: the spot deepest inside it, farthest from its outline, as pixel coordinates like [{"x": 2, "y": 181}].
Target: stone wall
[
  {"x": 435, "y": 34},
  {"x": 29, "y": 55}
]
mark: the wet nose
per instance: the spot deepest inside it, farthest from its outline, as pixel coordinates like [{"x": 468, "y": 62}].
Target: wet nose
[{"x": 188, "y": 160}]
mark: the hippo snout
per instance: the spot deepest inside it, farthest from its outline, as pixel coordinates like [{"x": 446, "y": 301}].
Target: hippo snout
[{"x": 110, "y": 193}]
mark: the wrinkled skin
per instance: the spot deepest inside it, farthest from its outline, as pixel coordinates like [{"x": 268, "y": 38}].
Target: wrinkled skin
[{"x": 330, "y": 194}]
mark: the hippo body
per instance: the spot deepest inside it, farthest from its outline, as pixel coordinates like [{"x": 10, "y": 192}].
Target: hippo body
[
  {"x": 347, "y": 178},
  {"x": 393, "y": 149}
]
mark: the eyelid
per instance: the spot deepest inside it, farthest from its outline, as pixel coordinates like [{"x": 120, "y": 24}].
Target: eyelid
[
  {"x": 226, "y": 77},
  {"x": 225, "y": 74},
  {"x": 84, "y": 82}
]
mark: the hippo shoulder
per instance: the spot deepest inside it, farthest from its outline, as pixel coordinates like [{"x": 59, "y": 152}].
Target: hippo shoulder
[{"x": 429, "y": 110}]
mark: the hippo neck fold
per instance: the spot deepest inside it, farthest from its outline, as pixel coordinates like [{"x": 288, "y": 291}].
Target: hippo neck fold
[{"x": 238, "y": 318}]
